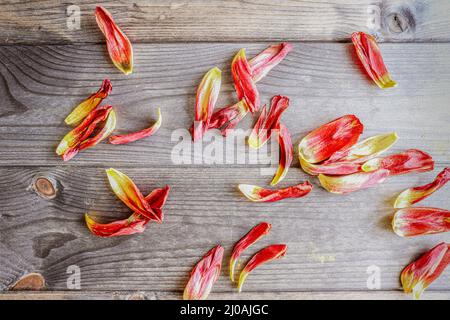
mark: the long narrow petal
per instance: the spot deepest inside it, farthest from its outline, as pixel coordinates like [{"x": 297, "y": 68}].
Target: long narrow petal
[
  {"x": 411, "y": 160},
  {"x": 418, "y": 275},
  {"x": 365, "y": 150},
  {"x": 83, "y": 109},
  {"x": 352, "y": 182},
  {"x": 286, "y": 154},
  {"x": 131, "y": 137},
  {"x": 227, "y": 118},
  {"x": 258, "y": 194},
  {"x": 119, "y": 47},
  {"x": 410, "y": 222},
  {"x": 413, "y": 195},
  {"x": 336, "y": 135},
  {"x": 268, "y": 59},
  {"x": 270, "y": 253},
  {"x": 204, "y": 275},
  {"x": 336, "y": 168},
  {"x": 267, "y": 122},
  {"x": 246, "y": 241},
  {"x": 243, "y": 81},
  {"x": 128, "y": 193},
  {"x": 207, "y": 95},
  {"x": 370, "y": 56}
]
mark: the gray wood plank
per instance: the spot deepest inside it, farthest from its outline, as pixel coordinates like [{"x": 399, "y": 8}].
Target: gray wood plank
[
  {"x": 332, "y": 239},
  {"x": 223, "y": 20},
  {"x": 42, "y": 84}
]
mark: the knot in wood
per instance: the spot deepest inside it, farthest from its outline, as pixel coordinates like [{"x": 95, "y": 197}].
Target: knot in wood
[
  {"x": 30, "y": 281},
  {"x": 45, "y": 187},
  {"x": 400, "y": 20}
]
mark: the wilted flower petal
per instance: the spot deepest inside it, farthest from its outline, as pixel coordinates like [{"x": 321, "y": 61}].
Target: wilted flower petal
[
  {"x": 243, "y": 81},
  {"x": 227, "y": 118},
  {"x": 258, "y": 194},
  {"x": 410, "y": 222},
  {"x": 352, "y": 182},
  {"x": 267, "y": 59},
  {"x": 286, "y": 154}
]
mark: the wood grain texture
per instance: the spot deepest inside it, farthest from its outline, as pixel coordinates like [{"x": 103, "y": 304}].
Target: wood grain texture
[
  {"x": 224, "y": 20},
  {"x": 42, "y": 84},
  {"x": 332, "y": 239}
]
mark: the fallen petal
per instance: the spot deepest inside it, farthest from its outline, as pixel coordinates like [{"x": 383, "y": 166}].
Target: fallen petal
[
  {"x": 410, "y": 222},
  {"x": 243, "y": 81},
  {"x": 258, "y": 194},
  {"x": 324, "y": 141},
  {"x": 413, "y": 195},
  {"x": 265, "y": 61},
  {"x": 227, "y": 118},
  {"x": 134, "y": 224},
  {"x": 418, "y": 275},
  {"x": 131, "y": 137},
  {"x": 286, "y": 154},
  {"x": 370, "y": 56},
  {"x": 411, "y": 160},
  {"x": 119, "y": 47},
  {"x": 352, "y": 182},
  {"x": 246, "y": 241},
  {"x": 92, "y": 102},
  {"x": 270, "y": 253},
  {"x": 204, "y": 275},
  {"x": 336, "y": 168}
]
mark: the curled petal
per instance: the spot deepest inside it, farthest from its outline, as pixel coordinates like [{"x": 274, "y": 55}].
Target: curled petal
[
  {"x": 365, "y": 150},
  {"x": 83, "y": 109},
  {"x": 127, "y": 138},
  {"x": 418, "y": 275},
  {"x": 410, "y": 222},
  {"x": 204, "y": 275},
  {"x": 267, "y": 122},
  {"x": 324, "y": 141},
  {"x": 411, "y": 160},
  {"x": 246, "y": 241},
  {"x": 413, "y": 195},
  {"x": 270, "y": 253},
  {"x": 227, "y": 118},
  {"x": 258, "y": 194},
  {"x": 336, "y": 168},
  {"x": 134, "y": 224},
  {"x": 370, "y": 56},
  {"x": 207, "y": 94},
  {"x": 119, "y": 47},
  {"x": 268, "y": 59},
  {"x": 243, "y": 81},
  {"x": 286, "y": 154},
  {"x": 128, "y": 193},
  {"x": 352, "y": 182}
]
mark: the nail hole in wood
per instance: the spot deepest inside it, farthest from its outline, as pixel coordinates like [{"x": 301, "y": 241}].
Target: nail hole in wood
[{"x": 31, "y": 281}]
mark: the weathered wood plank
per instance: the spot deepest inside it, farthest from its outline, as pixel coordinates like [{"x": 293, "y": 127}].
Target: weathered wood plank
[
  {"x": 332, "y": 239},
  {"x": 41, "y": 85},
  {"x": 54, "y": 21}
]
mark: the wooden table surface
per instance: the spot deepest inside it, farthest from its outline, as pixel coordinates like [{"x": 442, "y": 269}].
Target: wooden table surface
[{"x": 47, "y": 67}]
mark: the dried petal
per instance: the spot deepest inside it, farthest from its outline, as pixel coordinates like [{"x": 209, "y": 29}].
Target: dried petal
[
  {"x": 207, "y": 94},
  {"x": 258, "y": 194},
  {"x": 246, "y": 241},
  {"x": 267, "y": 122},
  {"x": 204, "y": 275},
  {"x": 268, "y": 59},
  {"x": 128, "y": 193},
  {"x": 324, "y": 141},
  {"x": 352, "y": 182},
  {"x": 410, "y": 222},
  {"x": 243, "y": 81},
  {"x": 370, "y": 56},
  {"x": 336, "y": 168},
  {"x": 286, "y": 154},
  {"x": 227, "y": 118},
  {"x": 119, "y": 47},
  {"x": 413, "y": 195},
  {"x": 418, "y": 275},
  {"x": 131, "y": 137},
  {"x": 411, "y": 160},
  {"x": 83, "y": 109},
  {"x": 270, "y": 253}
]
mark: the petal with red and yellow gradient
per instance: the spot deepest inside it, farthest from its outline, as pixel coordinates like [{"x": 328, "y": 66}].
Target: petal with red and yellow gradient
[
  {"x": 323, "y": 142},
  {"x": 244, "y": 84},
  {"x": 227, "y": 118},
  {"x": 419, "y": 275},
  {"x": 266, "y": 60},
  {"x": 258, "y": 194},
  {"x": 119, "y": 47},
  {"x": 82, "y": 110},
  {"x": 286, "y": 154},
  {"x": 413, "y": 195},
  {"x": 204, "y": 275},
  {"x": 410, "y": 222},
  {"x": 352, "y": 182},
  {"x": 370, "y": 56},
  {"x": 270, "y": 253}
]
